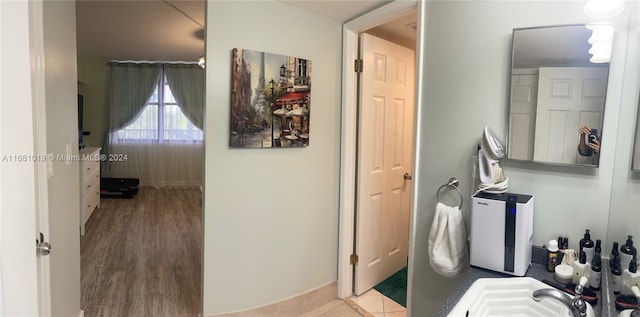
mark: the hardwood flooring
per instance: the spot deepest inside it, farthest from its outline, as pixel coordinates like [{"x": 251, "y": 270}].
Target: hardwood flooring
[{"x": 142, "y": 256}]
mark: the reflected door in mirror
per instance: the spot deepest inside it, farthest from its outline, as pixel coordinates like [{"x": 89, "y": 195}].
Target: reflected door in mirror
[
  {"x": 556, "y": 87},
  {"x": 568, "y": 98}
]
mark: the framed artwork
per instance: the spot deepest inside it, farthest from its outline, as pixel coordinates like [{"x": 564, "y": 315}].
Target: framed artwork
[{"x": 270, "y": 100}]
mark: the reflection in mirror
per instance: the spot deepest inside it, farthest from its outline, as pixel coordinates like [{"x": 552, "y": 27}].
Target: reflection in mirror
[
  {"x": 635, "y": 163},
  {"x": 558, "y": 88}
]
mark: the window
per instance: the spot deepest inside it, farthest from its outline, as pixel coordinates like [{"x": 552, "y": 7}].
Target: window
[
  {"x": 301, "y": 72},
  {"x": 161, "y": 120}
]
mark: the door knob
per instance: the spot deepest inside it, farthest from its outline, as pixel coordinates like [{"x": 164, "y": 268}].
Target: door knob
[
  {"x": 42, "y": 247},
  {"x": 407, "y": 176}
]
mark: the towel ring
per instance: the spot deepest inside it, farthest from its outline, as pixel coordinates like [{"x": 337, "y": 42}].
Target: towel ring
[{"x": 453, "y": 182}]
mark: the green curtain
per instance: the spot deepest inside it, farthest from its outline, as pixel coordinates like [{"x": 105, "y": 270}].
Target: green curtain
[
  {"x": 187, "y": 85},
  {"x": 129, "y": 87}
]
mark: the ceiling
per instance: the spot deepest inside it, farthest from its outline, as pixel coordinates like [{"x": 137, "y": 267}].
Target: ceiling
[
  {"x": 166, "y": 30},
  {"x": 172, "y": 30},
  {"x": 400, "y": 31},
  {"x": 563, "y": 45}
]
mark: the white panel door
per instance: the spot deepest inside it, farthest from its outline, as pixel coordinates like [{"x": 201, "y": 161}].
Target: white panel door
[
  {"x": 568, "y": 97},
  {"x": 524, "y": 96},
  {"x": 18, "y": 260},
  {"x": 384, "y": 156}
]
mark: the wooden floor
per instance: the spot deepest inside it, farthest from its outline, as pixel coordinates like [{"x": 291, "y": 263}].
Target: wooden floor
[{"x": 142, "y": 256}]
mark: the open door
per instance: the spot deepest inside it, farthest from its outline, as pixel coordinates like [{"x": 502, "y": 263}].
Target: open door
[
  {"x": 19, "y": 288},
  {"x": 37, "y": 172},
  {"x": 384, "y": 160}
]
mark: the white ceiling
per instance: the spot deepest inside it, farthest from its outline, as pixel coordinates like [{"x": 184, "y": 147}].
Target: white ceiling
[
  {"x": 140, "y": 30},
  {"x": 341, "y": 10},
  {"x": 551, "y": 46},
  {"x": 169, "y": 30},
  {"x": 400, "y": 31}
]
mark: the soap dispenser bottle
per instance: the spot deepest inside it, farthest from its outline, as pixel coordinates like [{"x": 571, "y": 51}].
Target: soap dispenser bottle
[
  {"x": 596, "y": 268},
  {"x": 581, "y": 268},
  {"x": 614, "y": 254},
  {"x": 627, "y": 252},
  {"x": 552, "y": 256},
  {"x": 629, "y": 277},
  {"x": 586, "y": 244},
  {"x": 615, "y": 273}
]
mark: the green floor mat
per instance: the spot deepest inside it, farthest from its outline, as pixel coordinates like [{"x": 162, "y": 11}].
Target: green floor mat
[{"x": 395, "y": 287}]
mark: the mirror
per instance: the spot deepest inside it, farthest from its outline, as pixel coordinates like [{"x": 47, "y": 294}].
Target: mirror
[{"x": 558, "y": 89}]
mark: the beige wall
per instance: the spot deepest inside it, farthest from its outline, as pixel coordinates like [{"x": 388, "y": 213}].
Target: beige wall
[
  {"x": 270, "y": 215},
  {"x": 467, "y": 59},
  {"x": 92, "y": 77}
]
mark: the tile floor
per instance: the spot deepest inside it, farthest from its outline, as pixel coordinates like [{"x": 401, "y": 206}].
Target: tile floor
[{"x": 379, "y": 305}]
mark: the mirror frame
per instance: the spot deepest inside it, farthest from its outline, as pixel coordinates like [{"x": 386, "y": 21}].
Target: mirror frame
[{"x": 582, "y": 60}]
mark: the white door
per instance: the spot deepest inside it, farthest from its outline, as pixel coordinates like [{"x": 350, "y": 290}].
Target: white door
[
  {"x": 385, "y": 155},
  {"x": 18, "y": 260},
  {"x": 568, "y": 97},
  {"x": 522, "y": 111}
]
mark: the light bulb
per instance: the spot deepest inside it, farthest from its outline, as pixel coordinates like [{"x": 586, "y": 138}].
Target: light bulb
[
  {"x": 600, "y": 32},
  {"x": 598, "y": 49},
  {"x": 599, "y": 59}
]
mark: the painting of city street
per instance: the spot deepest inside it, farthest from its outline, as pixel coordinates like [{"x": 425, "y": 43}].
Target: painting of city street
[{"x": 270, "y": 100}]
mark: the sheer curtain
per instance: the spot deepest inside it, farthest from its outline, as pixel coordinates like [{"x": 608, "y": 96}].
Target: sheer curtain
[
  {"x": 162, "y": 146},
  {"x": 129, "y": 87},
  {"x": 187, "y": 85}
]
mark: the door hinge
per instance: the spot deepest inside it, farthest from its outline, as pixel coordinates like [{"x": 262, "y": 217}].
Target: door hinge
[
  {"x": 358, "y": 64},
  {"x": 353, "y": 259}
]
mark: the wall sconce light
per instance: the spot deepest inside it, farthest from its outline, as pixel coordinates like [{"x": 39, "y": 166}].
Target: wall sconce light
[
  {"x": 603, "y": 8},
  {"x": 601, "y": 41},
  {"x": 201, "y": 61}
]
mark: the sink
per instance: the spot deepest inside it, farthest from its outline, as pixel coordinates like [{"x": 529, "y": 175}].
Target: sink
[{"x": 511, "y": 297}]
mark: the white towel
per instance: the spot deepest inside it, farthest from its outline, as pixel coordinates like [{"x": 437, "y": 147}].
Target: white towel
[{"x": 448, "y": 241}]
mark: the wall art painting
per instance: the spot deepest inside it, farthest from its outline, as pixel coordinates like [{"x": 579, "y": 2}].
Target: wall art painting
[{"x": 270, "y": 100}]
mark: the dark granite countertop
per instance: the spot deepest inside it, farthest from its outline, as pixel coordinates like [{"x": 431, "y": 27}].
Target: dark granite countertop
[{"x": 537, "y": 271}]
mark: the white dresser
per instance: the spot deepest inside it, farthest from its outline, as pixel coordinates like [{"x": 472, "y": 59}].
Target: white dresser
[{"x": 89, "y": 183}]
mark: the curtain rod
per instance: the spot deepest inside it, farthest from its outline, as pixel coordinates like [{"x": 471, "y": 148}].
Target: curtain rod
[{"x": 151, "y": 62}]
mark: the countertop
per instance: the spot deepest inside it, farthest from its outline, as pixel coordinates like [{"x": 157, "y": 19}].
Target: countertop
[{"x": 537, "y": 271}]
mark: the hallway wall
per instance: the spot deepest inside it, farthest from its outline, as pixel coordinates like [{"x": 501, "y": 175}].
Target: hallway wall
[{"x": 270, "y": 215}]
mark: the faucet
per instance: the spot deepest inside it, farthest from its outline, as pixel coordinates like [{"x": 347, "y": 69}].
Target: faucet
[{"x": 576, "y": 305}]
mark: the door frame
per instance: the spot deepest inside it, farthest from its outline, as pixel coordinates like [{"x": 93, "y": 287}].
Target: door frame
[
  {"x": 349, "y": 125},
  {"x": 36, "y": 39}
]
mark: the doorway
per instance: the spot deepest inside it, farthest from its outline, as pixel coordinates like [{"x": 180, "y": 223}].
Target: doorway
[
  {"x": 143, "y": 255},
  {"x": 378, "y": 22}
]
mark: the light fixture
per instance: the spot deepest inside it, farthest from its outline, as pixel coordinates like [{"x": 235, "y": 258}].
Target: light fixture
[
  {"x": 600, "y": 33},
  {"x": 201, "y": 61},
  {"x": 600, "y": 59},
  {"x": 603, "y": 8},
  {"x": 601, "y": 41}
]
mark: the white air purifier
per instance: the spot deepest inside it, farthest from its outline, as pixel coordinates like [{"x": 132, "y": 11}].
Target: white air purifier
[{"x": 502, "y": 232}]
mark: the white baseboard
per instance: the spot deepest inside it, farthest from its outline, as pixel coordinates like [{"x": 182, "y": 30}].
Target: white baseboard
[{"x": 292, "y": 306}]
